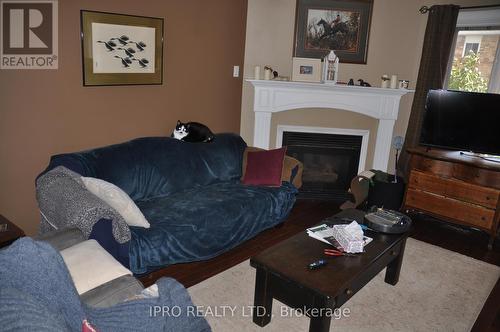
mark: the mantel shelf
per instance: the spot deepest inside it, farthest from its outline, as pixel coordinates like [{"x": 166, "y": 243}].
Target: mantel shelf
[{"x": 329, "y": 87}]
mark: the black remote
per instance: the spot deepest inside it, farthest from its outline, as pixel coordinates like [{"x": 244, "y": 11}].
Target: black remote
[{"x": 317, "y": 264}]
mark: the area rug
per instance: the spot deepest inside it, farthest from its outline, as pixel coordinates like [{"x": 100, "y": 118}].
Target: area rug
[{"x": 438, "y": 290}]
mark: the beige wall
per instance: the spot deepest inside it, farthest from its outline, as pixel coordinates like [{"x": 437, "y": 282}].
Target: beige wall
[
  {"x": 395, "y": 45},
  {"x": 44, "y": 112}
]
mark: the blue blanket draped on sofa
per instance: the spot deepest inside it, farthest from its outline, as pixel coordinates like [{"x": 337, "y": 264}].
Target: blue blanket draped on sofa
[{"x": 189, "y": 192}]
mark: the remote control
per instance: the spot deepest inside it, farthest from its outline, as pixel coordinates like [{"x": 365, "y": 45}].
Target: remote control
[{"x": 316, "y": 265}]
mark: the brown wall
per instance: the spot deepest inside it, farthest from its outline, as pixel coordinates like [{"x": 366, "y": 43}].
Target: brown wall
[{"x": 44, "y": 112}]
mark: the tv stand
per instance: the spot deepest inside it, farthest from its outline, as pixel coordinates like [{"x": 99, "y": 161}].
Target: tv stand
[
  {"x": 489, "y": 157},
  {"x": 455, "y": 187}
]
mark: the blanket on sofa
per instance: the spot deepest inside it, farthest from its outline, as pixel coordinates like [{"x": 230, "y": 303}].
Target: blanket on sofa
[
  {"x": 37, "y": 294},
  {"x": 204, "y": 222},
  {"x": 65, "y": 202}
]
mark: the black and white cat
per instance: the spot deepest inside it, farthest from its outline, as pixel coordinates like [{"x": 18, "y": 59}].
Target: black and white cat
[{"x": 192, "y": 132}]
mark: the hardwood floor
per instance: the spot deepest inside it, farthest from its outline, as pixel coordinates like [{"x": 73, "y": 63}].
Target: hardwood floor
[{"x": 306, "y": 213}]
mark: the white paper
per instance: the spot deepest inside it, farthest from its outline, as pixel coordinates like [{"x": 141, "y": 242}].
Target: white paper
[{"x": 354, "y": 231}]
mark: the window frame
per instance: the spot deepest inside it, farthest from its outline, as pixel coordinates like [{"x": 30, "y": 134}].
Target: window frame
[
  {"x": 492, "y": 83},
  {"x": 477, "y": 41}
]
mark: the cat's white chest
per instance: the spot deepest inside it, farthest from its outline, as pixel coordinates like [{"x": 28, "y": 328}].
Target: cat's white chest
[{"x": 180, "y": 134}]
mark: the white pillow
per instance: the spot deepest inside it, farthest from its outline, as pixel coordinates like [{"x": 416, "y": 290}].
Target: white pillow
[
  {"x": 118, "y": 200},
  {"x": 91, "y": 266}
]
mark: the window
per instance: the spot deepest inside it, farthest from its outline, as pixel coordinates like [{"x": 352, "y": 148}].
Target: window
[
  {"x": 475, "y": 62},
  {"x": 470, "y": 47},
  {"x": 471, "y": 44}
]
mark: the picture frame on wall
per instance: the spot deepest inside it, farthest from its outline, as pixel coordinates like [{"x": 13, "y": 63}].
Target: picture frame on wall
[
  {"x": 306, "y": 70},
  {"x": 339, "y": 25},
  {"x": 119, "y": 49}
]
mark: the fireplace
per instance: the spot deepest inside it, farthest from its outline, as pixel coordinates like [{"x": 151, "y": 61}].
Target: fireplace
[
  {"x": 330, "y": 161},
  {"x": 277, "y": 96}
]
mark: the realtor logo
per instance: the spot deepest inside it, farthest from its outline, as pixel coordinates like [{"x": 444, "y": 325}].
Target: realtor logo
[{"x": 28, "y": 34}]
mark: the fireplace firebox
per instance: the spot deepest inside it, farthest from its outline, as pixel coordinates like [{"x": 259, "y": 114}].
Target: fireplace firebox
[{"x": 330, "y": 163}]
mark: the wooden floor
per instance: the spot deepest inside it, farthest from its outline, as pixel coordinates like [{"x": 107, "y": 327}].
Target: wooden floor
[{"x": 305, "y": 213}]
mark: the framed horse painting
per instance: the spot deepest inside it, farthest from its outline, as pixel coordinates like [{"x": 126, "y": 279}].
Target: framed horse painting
[{"x": 339, "y": 25}]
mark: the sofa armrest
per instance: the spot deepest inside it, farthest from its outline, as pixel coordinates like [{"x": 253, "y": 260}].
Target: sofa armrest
[
  {"x": 62, "y": 239},
  {"x": 65, "y": 202},
  {"x": 113, "y": 292},
  {"x": 292, "y": 168},
  {"x": 102, "y": 232}
]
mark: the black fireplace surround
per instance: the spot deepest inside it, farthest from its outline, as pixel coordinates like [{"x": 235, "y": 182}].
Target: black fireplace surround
[{"x": 330, "y": 163}]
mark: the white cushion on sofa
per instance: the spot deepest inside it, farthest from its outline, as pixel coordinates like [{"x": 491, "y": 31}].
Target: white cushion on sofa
[
  {"x": 117, "y": 199},
  {"x": 91, "y": 266}
]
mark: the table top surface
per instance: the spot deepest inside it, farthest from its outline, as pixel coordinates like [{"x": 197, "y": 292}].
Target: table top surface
[
  {"x": 289, "y": 258},
  {"x": 456, "y": 157},
  {"x": 13, "y": 232}
]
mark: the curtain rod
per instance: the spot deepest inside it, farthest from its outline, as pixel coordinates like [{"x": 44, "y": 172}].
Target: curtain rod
[{"x": 425, "y": 9}]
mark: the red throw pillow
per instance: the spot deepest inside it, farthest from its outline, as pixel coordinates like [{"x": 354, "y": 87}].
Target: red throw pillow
[{"x": 264, "y": 167}]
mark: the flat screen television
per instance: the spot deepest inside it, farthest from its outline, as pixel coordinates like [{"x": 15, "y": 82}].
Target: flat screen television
[{"x": 466, "y": 121}]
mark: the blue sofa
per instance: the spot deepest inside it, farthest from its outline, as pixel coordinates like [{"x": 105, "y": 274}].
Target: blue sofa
[{"x": 190, "y": 193}]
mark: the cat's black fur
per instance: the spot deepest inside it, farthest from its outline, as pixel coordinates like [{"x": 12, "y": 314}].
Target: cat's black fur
[{"x": 192, "y": 132}]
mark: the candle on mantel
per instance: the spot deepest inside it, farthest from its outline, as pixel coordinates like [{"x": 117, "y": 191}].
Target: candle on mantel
[
  {"x": 267, "y": 74},
  {"x": 394, "y": 81},
  {"x": 385, "y": 81},
  {"x": 256, "y": 72}
]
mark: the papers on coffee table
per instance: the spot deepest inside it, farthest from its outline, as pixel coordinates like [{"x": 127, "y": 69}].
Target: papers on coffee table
[{"x": 324, "y": 233}]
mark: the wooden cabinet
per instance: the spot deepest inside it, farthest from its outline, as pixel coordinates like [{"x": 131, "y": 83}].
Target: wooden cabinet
[
  {"x": 11, "y": 234},
  {"x": 458, "y": 188}
]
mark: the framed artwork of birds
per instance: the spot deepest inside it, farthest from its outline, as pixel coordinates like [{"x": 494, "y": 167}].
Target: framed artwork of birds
[{"x": 120, "y": 49}]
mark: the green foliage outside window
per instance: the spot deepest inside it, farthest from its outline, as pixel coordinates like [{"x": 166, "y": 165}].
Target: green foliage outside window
[{"x": 465, "y": 75}]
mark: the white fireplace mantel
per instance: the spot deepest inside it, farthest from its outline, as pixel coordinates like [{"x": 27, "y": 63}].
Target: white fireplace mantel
[{"x": 379, "y": 103}]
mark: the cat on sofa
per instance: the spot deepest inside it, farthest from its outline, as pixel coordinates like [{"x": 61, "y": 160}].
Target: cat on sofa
[{"x": 192, "y": 132}]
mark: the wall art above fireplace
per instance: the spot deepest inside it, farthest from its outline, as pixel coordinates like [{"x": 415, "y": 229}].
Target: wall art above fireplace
[{"x": 339, "y": 25}]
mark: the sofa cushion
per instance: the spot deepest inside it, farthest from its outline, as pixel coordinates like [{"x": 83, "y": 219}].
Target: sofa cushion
[
  {"x": 292, "y": 168},
  {"x": 90, "y": 265},
  {"x": 203, "y": 222},
  {"x": 158, "y": 166},
  {"x": 264, "y": 167},
  {"x": 113, "y": 292},
  {"x": 117, "y": 199}
]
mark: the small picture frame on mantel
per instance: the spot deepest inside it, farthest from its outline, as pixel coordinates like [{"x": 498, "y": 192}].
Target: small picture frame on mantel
[{"x": 306, "y": 70}]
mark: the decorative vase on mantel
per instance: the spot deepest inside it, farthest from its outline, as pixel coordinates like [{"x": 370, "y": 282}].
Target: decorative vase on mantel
[{"x": 330, "y": 68}]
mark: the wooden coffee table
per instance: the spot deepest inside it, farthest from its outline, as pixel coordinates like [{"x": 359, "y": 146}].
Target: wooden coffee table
[{"x": 282, "y": 273}]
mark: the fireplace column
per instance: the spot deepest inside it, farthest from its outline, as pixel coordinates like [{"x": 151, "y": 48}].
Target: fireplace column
[{"x": 262, "y": 135}]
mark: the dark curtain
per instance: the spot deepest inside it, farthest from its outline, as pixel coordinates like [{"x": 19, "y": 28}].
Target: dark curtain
[{"x": 438, "y": 41}]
